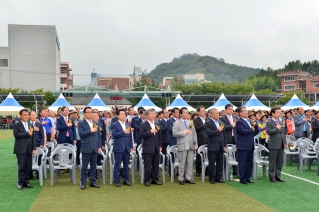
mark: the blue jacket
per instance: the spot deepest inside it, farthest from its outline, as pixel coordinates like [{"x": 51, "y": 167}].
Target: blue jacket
[
  {"x": 89, "y": 141},
  {"x": 164, "y": 131},
  {"x": 122, "y": 141},
  {"x": 63, "y": 128},
  {"x": 172, "y": 140},
  {"x": 245, "y": 135},
  {"x": 39, "y": 136}
]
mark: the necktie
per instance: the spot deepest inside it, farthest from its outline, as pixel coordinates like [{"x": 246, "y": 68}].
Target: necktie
[
  {"x": 231, "y": 122},
  {"x": 67, "y": 132},
  {"x": 185, "y": 124}
]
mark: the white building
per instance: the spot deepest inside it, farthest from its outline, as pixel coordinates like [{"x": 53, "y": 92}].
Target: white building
[{"x": 32, "y": 59}]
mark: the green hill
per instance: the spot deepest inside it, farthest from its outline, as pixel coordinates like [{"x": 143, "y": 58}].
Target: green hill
[{"x": 216, "y": 70}]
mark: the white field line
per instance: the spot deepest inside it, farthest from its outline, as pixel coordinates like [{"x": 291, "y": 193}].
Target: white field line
[{"x": 299, "y": 178}]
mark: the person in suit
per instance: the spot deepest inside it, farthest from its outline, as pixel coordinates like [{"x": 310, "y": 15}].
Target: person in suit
[
  {"x": 315, "y": 126},
  {"x": 276, "y": 145},
  {"x": 172, "y": 140},
  {"x": 229, "y": 120},
  {"x": 102, "y": 129},
  {"x": 91, "y": 145},
  {"x": 216, "y": 145},
  {"x": 164, "y": 131},
  {"x": 74, "y": 115},
  {"x": 245, "y": 146},
  {"x": 38, "y": 130},
  {"x": 152, "y": 146},
  {"x": 134, "y": 121},
  {"x": 301, "y": 124},
  {"x": 65, "y": 126},
  {"x": 186, "y": 136},
  {"x": 24, "y": 147},
  {"x": 199, "y": 124},
  {"x": 138, "y": 140},
  {"x": 122, "y": 147}
]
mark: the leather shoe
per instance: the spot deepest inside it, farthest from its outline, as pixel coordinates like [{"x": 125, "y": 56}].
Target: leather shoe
[
  {"x": 82, "y": 187},
  {"x": 280, "y": 180},
  {"x": 273, "y": 180},
  {"x": 147, "y": 183},
  {"x": 20, "y": 187},
  {"x": 94, "y": 185},
  {"x": 243, "y": 182},
  {"x": 181, "y": 182},
  {"x": 250, "y": 181},
  {"x": 127, "y": 183},
  {"x": 28, "y": 185},
  {"x": 220, "y": 181},
  {"x": 117, "y": 185},
  {"x": 212, "y": 182},
  {"x": 197, "y": 174},
  {"x": 156, "y": 182},
  {"x": 190, "y": 181}
]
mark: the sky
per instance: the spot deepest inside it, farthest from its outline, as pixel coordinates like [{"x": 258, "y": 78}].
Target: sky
[{"x": 114, "y": 36}]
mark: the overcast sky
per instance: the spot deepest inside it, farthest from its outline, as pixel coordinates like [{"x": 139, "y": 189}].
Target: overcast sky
[{"x": 115, "y": 36}]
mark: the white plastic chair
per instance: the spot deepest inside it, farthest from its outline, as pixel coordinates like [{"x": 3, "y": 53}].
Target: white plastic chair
[
  {"x": 35, "y": 164},
  {"x": 173, "y": 150},
  {"x": 256, "y": 138},
  {"x": 258, "y": 160},
  {"x": 289, "y": 151},
  {"x": 64, "y": 162},
  {"x": 316, "y": 149},
  {"x": 202, "y": 151},
  {"x": 230, "y": 157},
  {"x": 304, "y": 153}
]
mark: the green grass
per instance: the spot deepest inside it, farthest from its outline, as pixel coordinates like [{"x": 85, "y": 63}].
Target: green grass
[{"x": 13, "y": 199}]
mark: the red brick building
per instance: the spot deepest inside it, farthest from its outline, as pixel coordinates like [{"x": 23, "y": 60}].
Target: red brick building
[
  {"x": 300, "y": 80},
  {"x": 66, "y": 77}
]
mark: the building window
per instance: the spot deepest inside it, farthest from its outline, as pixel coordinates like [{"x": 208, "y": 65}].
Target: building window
[
  {"x": 316, "y": 85},
  {"x": 62, "y": 71},
  {"x": 62, "y": 81},
  {"x": 3, "y": 62},
  {"x": 290, "y": 78},
  {"x": 71, "y": 82},
  {"x": 289, "y": 87}
]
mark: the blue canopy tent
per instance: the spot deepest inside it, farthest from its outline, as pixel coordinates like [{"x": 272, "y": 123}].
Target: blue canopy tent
[
  {"x": 147, "y": 104},
  {"x": 255, "y": 104},
  {"x": 179, "y": 102},
  {"x": 294, "y": 102},
  {"x": 60, "y": 102},
  {"x": 10, "y": 106},
  {"x": 98, "y": 104},
  {"x": 220, "y": 103}
]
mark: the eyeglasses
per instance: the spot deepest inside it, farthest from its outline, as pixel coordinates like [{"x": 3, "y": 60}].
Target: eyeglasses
[{"x": 89, "y": 112}]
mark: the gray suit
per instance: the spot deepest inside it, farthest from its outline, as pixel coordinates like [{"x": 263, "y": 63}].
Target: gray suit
[
  {"x": 299, "y": 127},
  {"x": 277, "y": 141},
  {"x": 185, "y": 148}
]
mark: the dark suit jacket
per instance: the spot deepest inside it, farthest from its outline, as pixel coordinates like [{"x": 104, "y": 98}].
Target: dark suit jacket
[
  {"x": 39, "y": 136},
  {"x": 277, "y": 138},
  {"x": 102, "y": 131},
  {"x": 216, "y": 139},
  {"x": 315, "y": 129},
  {"x": 151, "y": 142},
  {"x": 63, "y": 128},
  {"x": 228, "y": 128},
  {"x": 23, "y": 141},
  {"x": 164, "y": 131},
  {"x": 122, "y": 141},
  {"x": 137, "y": 124},
  {"x": 245, "y": 135},
  {"x": 133, "y": 126},
  {"x": 89, "y": 141},
  {"x": 172, "y": 140},
  {"x": 200, "y": 131}
]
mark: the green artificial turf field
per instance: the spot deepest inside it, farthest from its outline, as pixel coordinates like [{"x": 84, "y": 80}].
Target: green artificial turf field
[{"x": 293, "y": 195}]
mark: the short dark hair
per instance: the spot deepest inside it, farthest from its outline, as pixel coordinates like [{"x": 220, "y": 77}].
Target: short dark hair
[
  {"x": 23, "y": 110},
  {"x": 119, "y": 110},
  {"x": 159, "y": 113},
  {"x": 240, "y": 109},
  {"x": 174, "y": 109},
  {"x": 182, "y": 109},
  {"x": 316, "y": 112},
  {"x": 130, "y": 108},
  {"x": 141, "y": 111},
  {"x": 84, "y": 110},
  {"x": 42, "y": 109},
  {"x": 228, "y": 105},
  {"x": 199, "y": 107},
  {"x": 140, "y": 108},
  {"x": 62, "y": 108},
  {"x": 263, "y": 117},
  {"x": 273, "y": 110}
]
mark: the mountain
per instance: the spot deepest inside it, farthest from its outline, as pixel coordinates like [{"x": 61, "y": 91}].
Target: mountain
[{"x": 216, "y": 70}]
